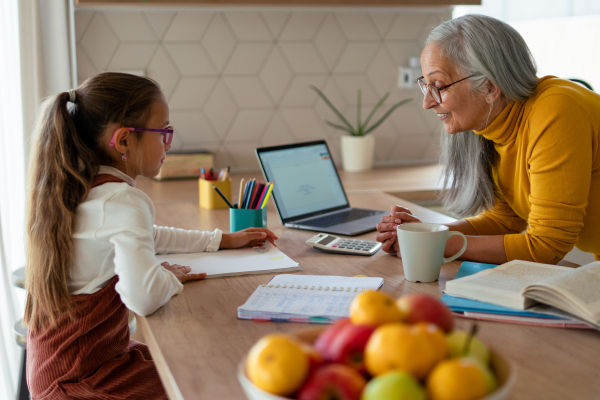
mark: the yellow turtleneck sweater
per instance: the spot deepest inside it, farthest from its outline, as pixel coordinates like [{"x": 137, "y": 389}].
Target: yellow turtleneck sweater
[{"x": 549, "y": 173}]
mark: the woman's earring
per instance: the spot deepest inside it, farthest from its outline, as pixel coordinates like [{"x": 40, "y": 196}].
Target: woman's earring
[
  {"x": 488, "y": 100},
  {"x": 124, "y": 157}
]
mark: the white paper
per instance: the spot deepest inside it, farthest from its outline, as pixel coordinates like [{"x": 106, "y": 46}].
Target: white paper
[
  {"x": 306, "y": 296},
  {"x": 246, "y": 261}
]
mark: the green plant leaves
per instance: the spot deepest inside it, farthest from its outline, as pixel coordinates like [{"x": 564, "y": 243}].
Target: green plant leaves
[
  {"x": 335, "y": 110},
  {"x": 387, "y": 114},
  {"x": 361, "y": 127}
]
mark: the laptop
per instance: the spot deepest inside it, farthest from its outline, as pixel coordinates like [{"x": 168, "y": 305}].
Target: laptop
[{"x": 308, "y": 192}]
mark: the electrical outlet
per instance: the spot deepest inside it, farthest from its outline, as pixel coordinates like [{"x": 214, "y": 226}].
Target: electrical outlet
[{"x": 407, "y": 77}]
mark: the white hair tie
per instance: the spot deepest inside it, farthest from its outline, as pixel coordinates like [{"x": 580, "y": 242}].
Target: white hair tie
[{"x": 71, "y": 95}]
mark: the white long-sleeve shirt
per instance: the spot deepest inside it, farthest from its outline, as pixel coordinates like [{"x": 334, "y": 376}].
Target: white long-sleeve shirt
[{"x": 115, "y": 235}]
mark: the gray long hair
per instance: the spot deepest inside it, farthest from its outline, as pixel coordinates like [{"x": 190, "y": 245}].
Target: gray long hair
[{"x": 493, "y": 51}]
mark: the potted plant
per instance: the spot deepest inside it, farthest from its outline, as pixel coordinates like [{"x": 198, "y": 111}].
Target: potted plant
[{"x": 358, "y": 146}]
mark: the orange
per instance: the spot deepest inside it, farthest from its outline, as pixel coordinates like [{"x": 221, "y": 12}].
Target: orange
[
  {"x": 435, "y": 336},
  {"x": 277, "y": 364},
  {"x": 397, "y": 347},
  {"x": 460, "y": 379},
  {"x": 374, "y": 308}
]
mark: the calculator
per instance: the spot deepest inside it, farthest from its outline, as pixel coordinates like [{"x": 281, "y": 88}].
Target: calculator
[{"x": 335, "y": 244}]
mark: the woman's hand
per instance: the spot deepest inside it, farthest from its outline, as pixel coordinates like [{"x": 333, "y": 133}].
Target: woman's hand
[
  {"x": 182, "y": 273},
  {"x": 249, "y": 237},
  {"x": 386, "y": 229}
]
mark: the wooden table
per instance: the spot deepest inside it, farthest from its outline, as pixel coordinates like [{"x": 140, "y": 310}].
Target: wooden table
[{"x": 197, "y": 340}]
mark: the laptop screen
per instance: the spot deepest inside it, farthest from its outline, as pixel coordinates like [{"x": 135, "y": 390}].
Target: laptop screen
[{"x": 306, "y": 180}]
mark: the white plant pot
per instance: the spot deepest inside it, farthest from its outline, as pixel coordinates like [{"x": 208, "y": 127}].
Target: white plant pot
[{"x": 357, "y": 152}]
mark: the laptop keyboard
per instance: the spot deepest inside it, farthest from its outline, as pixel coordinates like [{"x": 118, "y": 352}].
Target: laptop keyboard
[{"x": 340, "y": 218}]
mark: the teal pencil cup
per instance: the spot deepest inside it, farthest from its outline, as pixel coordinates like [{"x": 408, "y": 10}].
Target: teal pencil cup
[{"x": 242, "y": 218}]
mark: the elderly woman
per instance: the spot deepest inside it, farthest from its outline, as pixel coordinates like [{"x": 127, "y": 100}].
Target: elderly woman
[{"x": 522, "y": 150}]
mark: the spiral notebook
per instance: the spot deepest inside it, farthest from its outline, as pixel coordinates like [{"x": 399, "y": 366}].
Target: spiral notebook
[{"x": 305, "y": 298}]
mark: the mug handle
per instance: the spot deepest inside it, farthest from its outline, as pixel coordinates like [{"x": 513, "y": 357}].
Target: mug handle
[{"x": 461, "y": 251}]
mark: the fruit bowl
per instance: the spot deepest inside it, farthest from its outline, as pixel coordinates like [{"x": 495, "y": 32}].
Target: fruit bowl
[{"x": 504, "y": 370}]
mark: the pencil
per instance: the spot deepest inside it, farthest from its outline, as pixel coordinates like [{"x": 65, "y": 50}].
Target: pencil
[
  {"x": 258, "y": 189},
  {"x": 249, "y": 193},
  {"x": 262, "y": 195},
  {"x": 267, "y": 196},
  {"x": 241, "y": 192},
  {"x": 222, "y": 196}
]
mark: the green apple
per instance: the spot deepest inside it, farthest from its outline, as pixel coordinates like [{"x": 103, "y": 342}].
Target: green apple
[
  {"x": 456, "y": 344},
  {"x": 394, "y": 385}
]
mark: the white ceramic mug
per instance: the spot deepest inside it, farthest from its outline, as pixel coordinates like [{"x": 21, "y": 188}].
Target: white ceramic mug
[{"x": 422, "y": 248}]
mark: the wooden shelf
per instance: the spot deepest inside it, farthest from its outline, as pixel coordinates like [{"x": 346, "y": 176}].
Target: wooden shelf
[{"x": 282, "y": 3}]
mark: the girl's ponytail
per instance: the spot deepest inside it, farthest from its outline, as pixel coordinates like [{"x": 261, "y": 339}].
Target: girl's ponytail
[
  {"x": 61, "y": 171},
  {"x": 66, "y": 155}
]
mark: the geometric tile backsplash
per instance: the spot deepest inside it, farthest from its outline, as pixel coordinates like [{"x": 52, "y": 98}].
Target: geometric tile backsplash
[{"x": 237, "y": 80}]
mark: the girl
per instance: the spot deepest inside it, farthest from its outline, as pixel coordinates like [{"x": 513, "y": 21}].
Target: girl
[{"x": 92, "y": 243}]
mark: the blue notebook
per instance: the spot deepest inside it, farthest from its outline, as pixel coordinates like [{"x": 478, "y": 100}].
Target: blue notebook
[{"x": 459, "y": 304}]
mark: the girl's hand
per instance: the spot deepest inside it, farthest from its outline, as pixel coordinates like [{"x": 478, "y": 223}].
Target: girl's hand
[
  {"x": 249, "y": 237},
  {"x": 181, "y": 272},
  {"x": 386, "y": 229}
]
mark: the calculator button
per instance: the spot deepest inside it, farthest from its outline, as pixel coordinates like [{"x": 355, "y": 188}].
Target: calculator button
[{"x": 334, "y": 245}]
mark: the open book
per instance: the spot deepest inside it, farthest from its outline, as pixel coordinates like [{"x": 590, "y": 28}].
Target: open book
[{"x": 522, "y": 285}]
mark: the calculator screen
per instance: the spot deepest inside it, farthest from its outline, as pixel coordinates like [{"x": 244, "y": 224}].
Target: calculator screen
[{"x": 326, "y": 240}]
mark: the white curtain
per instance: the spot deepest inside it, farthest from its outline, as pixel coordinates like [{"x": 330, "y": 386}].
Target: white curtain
[
  {"x": 36, "y": 61},
  {"x": 12, "y": 193}
]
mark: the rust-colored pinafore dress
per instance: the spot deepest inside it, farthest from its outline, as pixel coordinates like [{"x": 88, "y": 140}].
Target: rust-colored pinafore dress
[{"x": 92, "y": 357}]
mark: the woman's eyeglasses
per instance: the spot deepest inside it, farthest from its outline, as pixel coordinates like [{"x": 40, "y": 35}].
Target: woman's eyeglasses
[
  {"x": 434, "y": 90},
  {"x": 167, "y": 133}
]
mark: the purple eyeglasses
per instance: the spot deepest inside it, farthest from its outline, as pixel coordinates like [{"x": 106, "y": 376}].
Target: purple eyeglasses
[{"x": 167, "y": 133}]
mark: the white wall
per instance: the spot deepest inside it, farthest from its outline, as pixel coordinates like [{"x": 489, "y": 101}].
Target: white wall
[
  {"x": 237, "y": 79},
  {"x": 562, "y": 34},
  {"x": 565, "y": 47}
]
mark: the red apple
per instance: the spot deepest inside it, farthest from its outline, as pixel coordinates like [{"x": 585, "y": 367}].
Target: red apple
[
  {"x": 325, "y": 338},
  {"x": 333, "y": 382},
  {"x": 315, "y": 360},
  {"x": 419, "y": 307},
  {"x": 344, "y": 343}
]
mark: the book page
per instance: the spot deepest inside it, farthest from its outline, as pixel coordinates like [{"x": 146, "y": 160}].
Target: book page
[
  {"x": 579, "y": 285},
  {"x": 503, "y": 285},
  {"x": 516, "y": 275}
]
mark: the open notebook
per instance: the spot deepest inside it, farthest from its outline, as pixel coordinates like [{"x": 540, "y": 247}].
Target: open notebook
[
  {"x": 267, "y": 259},
  {"x": 305, "y": 298}
]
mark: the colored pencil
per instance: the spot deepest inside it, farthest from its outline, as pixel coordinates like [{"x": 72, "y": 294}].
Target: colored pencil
[
  {"x": 246, "y": 190},
  {"x": 241, "y": 193},
  {"x": 262, "y": 195},
  {"x": 249, "y": 193},
  {"x": 222, "y": 196},
  {"x": 268, "y": 194},
  {"x": 257, "y": 193}
]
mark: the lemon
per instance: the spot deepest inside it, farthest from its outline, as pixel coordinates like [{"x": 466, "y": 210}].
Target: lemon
[
  {"x": 374, "y": 308},
  {"x": 277, "y": 364},
  {"x": 460, "y": 379},
  {"x": 397, "y": 347}
]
